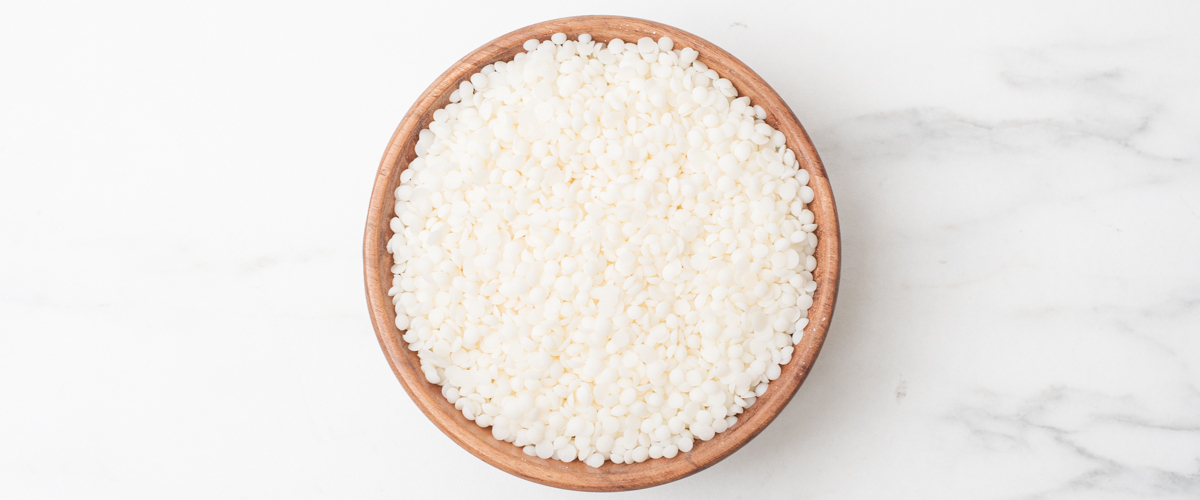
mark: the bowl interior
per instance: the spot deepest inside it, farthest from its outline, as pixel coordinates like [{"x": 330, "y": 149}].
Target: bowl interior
[{"x": 576, "y": 475}]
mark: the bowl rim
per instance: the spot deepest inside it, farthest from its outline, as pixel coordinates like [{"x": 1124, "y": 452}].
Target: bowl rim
[{"x": 506, "y": 456}]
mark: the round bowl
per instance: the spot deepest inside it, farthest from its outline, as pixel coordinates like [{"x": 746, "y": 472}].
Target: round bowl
[{"x": 576, "y": 475}]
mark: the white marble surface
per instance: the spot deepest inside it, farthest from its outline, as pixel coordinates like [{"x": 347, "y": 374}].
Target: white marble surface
[{"x": 183, "y": 189}]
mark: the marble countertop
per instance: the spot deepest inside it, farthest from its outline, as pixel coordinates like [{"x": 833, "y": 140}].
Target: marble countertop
[{"x": 183, "y": 190}]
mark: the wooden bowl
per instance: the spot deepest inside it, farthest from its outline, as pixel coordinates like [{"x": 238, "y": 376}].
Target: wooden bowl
[{"x": 478, "y": 440}]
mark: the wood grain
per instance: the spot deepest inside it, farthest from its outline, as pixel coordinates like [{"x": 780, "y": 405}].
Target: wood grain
[{"x": 575, "y": 475}]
